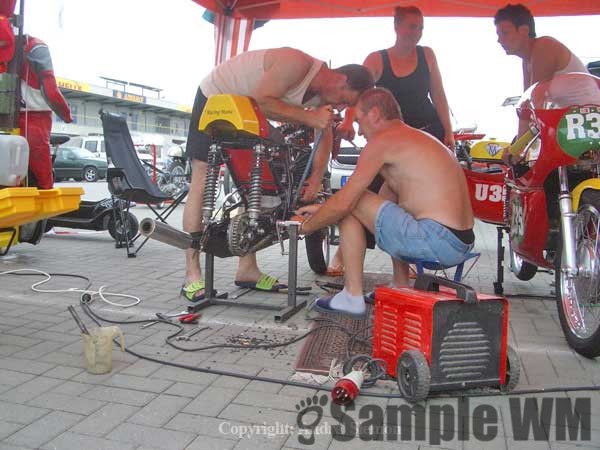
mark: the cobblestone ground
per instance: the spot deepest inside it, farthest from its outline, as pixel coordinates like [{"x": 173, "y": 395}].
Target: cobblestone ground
[{"x": 49, "y": 401}]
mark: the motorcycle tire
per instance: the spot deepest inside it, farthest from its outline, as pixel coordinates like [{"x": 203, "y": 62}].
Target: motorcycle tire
[
  {"x": 116, "y": 228},
  {"x": 585, "y": 343},
  {"x": 523, "y": 270},
  {"x": 318, "y": 250}
]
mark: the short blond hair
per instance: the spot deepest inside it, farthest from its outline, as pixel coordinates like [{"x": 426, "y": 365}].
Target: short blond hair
[{"x": 380, "y": 98}]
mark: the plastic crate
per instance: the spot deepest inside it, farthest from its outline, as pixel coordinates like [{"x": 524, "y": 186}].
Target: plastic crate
[
  {"x": 17, "y": 206},
  {"x": 53, "y": 202}
]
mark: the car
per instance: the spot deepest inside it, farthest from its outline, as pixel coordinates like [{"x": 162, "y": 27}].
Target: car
[
  {"x": 342, "y": 166},
  {"x": 95, "y": 144},
  {"x": 79, "y": 164}
]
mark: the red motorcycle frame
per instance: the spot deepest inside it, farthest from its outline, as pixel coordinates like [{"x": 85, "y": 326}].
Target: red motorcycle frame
[{"x": 549, "y": 202}]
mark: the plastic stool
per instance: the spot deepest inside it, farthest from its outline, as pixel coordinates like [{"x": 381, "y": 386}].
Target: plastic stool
[{"x": 421, "y": 265}]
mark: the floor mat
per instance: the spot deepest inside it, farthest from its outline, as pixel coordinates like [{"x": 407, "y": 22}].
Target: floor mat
[{"x": 325, "y": 345}]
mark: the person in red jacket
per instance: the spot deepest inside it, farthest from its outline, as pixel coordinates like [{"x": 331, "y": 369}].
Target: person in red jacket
[{"x": 39, "y": 97}]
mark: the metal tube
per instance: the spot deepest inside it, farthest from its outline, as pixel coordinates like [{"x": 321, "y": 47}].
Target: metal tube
[
  {"x": 569, "y": 262},
  {"x": 164, "y": 233}
]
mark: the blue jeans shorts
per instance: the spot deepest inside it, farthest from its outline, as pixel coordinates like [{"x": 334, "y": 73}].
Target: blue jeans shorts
[{"x": 403, "y": 237}]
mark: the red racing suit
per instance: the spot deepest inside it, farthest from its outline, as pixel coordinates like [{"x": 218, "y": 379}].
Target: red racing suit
[{"x": 39, "y": 97}]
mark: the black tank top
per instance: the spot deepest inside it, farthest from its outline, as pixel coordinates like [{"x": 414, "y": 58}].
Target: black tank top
[{"x": 412, "y": 93}]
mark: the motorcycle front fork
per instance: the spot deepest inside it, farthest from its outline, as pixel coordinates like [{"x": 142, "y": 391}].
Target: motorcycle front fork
[{"x": 567, "y": 217}]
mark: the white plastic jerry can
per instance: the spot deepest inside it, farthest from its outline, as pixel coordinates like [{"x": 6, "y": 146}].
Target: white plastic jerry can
[{"x": 14, "y": 159}]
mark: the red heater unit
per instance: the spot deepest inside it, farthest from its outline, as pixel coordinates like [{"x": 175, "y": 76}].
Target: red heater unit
[{"x": 436, "y": 340}]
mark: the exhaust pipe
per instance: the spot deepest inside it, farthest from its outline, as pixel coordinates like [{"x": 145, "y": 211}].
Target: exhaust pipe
[{"x": 164, "y": 233}]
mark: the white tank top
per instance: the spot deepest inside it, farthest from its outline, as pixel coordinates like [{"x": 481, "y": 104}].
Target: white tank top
[
  {"x": 241, "y": 74},
  {"x": 574, "y": 65}
]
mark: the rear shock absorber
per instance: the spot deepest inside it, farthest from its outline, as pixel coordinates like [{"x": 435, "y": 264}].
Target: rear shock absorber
[
  {"x": 255, "y": 191},
  {"x": 210, "y": 184}
]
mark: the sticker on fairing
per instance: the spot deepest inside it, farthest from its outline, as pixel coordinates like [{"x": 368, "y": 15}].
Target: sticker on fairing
[
  {"x": 517, "y": 222},
  {"x": 579, "y": 130}
]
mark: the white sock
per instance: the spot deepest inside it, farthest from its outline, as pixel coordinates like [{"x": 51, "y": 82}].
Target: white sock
[{"x": 343, "y": 301}]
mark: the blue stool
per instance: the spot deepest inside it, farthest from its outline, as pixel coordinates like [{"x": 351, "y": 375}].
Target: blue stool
[{"x": 435, "y": 265}]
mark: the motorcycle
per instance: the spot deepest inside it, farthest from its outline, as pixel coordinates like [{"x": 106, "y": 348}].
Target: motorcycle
[
  {"x": 268, "y": 168},
  {"x": 549, "y": 202}
]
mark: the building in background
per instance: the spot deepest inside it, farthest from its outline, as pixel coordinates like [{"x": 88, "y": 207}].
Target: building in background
[{"x": 151, "y": 119}]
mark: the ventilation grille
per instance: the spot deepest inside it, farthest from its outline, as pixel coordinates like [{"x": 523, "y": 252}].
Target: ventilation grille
[{"x": 465, "y": 352}]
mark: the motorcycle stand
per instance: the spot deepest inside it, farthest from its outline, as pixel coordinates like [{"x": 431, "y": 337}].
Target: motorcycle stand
[
  {"x": 283, "y": 313},
  {"x": 498, "y": 288}
]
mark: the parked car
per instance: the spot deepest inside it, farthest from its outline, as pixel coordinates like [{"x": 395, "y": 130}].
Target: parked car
[
  {"x": 79, "y": 164},
  {"x": 342, "y": 166},
  {"x": 94, "y": 144}
]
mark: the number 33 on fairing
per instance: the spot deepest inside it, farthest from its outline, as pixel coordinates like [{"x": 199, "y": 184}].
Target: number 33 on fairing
[{"x": 489, "y": 192}]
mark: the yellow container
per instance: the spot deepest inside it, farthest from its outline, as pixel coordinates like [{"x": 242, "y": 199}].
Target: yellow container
[
  {"x": 17, "y": 206},
  {"x": 53, "y": 202},
  {"x": 5, "y": 238}
]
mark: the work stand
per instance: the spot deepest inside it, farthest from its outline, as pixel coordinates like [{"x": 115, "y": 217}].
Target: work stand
[
  {"x": 498, "y": 284},
  {"x": 282, "y": 312}
]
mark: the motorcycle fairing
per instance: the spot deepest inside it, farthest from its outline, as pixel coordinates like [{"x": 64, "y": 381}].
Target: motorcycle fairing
[
  {"x": 228, "y": 115},
  {"x": 591, "y": 183}
]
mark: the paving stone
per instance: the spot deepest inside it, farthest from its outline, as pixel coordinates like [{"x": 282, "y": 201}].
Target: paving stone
[
  {"x": 209, "y": 426},
  {"x": 11, "y": 378},
  {"x": 30, "y": 389},
  {"x": 117, "y": 395},
  {"x": 105, "y": 419},
  {"x": 68, "y": 403},
  {"x": 20, "y": 365},
  {"x": 210, "y": 443},
  {"x": 243, "y": 413},
  {"x": 63, "y": 373},
  {"x": 44, "y": 429},
  {"x": 186, "y": 389},
  {"x": 72, "y": 388},
  {"x": 157, "y": 437},
  {"x": 138, "y": 383},
  {"x": 159, "y": 411},
  {"x": 72, "y": 441},
  {"x": 211, "y": 401},
  {"x": 8, "y": 428},
  {"x": 20, "y": 413}
]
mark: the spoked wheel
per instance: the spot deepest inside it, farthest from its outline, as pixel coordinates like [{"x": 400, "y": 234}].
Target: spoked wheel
[
  {"x": 318, "y": 250},
  {"x": 522, "y": 269},
  {"x": 413, "y": 376},
  {"x": 578, "y": 296},
  {"x": 178, "y": 179}
]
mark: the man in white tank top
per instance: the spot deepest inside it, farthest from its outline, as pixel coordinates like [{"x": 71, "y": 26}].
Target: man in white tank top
[
  {"x": 543, "y": 57},
  {"x": 289, "y": 86}
]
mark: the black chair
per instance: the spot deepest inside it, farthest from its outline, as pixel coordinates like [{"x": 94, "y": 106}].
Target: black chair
[{"x": 128, "y": 179}]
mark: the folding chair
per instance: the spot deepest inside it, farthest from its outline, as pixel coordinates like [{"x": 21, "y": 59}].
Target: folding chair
[{"x": 128, "y": 180}]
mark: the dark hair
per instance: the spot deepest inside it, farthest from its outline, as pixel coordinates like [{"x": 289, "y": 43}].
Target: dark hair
[
  {"x": 358, "y": 78},
  {"x": 382, "y": 99},
  {"x": 517, "y": 15},
  {"x": 402, "y": 11}
]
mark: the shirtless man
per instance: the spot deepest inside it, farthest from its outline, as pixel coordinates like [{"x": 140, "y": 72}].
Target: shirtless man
[
  {"x": 543, "y": 57},
  {"x": 422, "y": 211},
  {"x": 288, "y": 85}
]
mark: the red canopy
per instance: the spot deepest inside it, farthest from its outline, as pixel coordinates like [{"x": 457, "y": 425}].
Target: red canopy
[{"x": 298, "y": 9}]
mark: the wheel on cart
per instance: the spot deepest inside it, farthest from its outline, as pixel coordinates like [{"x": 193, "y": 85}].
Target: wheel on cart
[
  {"x": 413, "y": 376},
  {"x": 118, "y": 228},
  {"x": 513, "y": 370}
]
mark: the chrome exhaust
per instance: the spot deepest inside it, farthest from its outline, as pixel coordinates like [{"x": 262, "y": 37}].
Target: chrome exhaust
[{"x": 164, "y": 233}]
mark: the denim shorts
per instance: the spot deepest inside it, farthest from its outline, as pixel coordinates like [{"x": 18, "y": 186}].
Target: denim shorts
[{"x": 403, "y": 237}]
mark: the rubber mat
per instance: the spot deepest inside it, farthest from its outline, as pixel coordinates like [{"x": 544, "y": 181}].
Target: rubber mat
[{"x": 327, "y": 344}]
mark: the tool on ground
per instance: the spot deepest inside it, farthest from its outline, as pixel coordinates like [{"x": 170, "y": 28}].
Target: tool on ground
[
  {"x": 189, "y": 334},
  {"x": 78, "y": 320},
  {"x": 347, "y": 388},
  {"x": 190, "y": 318},
  {"x": 442, "y": 336},
  {"x": 164, "y": 317}
]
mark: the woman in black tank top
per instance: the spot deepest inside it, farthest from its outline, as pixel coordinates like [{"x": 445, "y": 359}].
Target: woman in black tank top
[{"x": 419, "y": 91}]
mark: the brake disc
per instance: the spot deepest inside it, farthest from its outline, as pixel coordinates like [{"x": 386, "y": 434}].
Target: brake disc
[{"x": 240, "y": 235}]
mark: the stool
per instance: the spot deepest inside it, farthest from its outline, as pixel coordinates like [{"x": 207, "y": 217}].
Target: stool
[{"x": 435, "y": 265}]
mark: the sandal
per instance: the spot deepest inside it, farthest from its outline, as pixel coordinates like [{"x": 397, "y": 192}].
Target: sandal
[
  {"x": 334, "y": 271},
  {"x": 194, "y": 291},
  {"x": 265, "y": 283}
]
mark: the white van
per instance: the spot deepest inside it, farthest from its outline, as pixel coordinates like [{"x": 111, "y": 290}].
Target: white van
[{"x": 94, "y": 144}]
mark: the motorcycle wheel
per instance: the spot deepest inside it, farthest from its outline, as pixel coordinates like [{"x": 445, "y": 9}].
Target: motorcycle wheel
[
  {"x": 522, "y": 269},
  {"x": 318, "y": 250},
  {"x": 178, "y": 178},
  {"x": 117, "y": 228},
  {"x": 578, "y": 298}
]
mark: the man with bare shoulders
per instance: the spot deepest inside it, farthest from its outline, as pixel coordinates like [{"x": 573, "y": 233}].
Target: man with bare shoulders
[
  {"x": 542, "y": 57},
  {"x": 422, "y": 211},
  {"x": 288, "y": 85}
]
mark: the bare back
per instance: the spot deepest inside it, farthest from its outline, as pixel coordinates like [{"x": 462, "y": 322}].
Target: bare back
[{"x": 424, "y": 175}]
